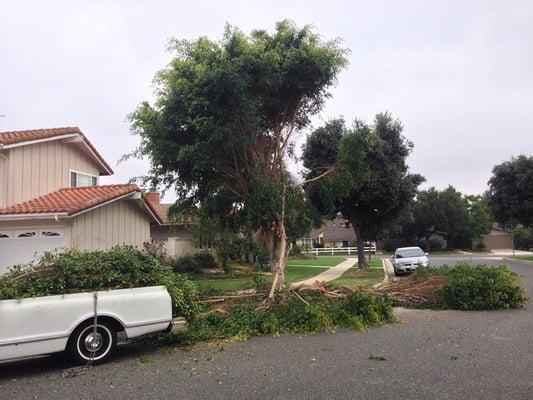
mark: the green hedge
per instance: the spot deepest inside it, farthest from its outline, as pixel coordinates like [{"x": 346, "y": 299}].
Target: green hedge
[
  {"x": 482, "y": 287},
  {"x": 76, "y": 271}
]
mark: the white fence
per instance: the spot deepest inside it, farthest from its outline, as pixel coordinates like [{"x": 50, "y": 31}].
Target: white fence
[{"x": 338, "y": 250}]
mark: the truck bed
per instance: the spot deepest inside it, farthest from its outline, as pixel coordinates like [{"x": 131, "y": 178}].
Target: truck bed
[{"x": 42, "y": 325}]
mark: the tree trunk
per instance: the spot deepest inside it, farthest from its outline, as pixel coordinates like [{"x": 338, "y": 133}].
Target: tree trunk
[
  {"x": 281, "y": 249},
  {"x": 427, "y": 242},
  {"x": 361, "y": 261}
]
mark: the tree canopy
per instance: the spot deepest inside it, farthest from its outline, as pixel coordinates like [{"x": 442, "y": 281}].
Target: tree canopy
[
  {"x": 510, "y": 192},
  {"x": 225, "y": 116},
  {"x": 463, "y": 218},
  {"x": 369, "y": 200}
]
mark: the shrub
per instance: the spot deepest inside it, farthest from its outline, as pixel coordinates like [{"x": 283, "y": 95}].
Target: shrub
[
  {"x": 185, "y": 264},
  {"x": 391, "y": 245},
  {"x": 482, "y": 288},
  {"x": 523, "y": 237},
  {"x": 478, "y": 245},
  {"x": 358, "y": 311},
  {"x": 204, "y": 260},
  {"x": 75, "y": 271},
  {"x": 261, "y": 258},
  {"x": 296, "y": 250},
  {"x": 156, "y": 249},
  {"x": 435, "y": 244}
]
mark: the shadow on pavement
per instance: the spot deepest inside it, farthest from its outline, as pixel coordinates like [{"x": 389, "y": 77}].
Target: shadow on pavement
[{"x": 57, "y": 363}]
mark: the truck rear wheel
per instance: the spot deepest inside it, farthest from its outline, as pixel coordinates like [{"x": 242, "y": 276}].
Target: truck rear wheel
[{"x": 85, "y": 344}]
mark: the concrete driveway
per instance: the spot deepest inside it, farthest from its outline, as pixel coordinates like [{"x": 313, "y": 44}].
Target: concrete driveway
[{"x": 428, "y": 355}]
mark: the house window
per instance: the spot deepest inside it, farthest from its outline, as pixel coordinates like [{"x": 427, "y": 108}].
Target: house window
[
  {"x": 78, "y": 179},
  {"x": 50, "y": 234},
  {"x": 27, "y": 234}
]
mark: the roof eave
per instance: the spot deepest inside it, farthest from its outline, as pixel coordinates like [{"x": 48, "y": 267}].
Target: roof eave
[{"x": 23, "y": 216}]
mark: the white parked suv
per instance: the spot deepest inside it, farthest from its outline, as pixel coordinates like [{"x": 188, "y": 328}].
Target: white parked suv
[{"x": 407, "y": 259}]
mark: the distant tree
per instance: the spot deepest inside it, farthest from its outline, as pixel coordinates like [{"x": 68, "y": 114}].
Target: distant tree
[
  {"x": 523, "y": 237},
  {"x": 463, "y": 218},
  {"x": 428, "y": 215},
  {"x": 299, "y": 215},
  {"x": 479, "y": 219},
  {"x": 369, "y": 198},
  {"x": 510, "y": 193},
  {"x": 225, "y": 118}
]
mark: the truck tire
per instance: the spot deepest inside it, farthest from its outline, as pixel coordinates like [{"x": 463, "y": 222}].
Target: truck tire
[{"x": 83, "y": 346}]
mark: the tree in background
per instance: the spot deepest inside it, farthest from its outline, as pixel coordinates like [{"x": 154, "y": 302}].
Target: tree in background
[
  {"x": 523, "y": 237},
  {"x": 225, "y": 117},
  {"x": 510, "y": 193},
  {"x": 463, "y": 218},
  {"x": 299, "y": 215},
  {"x": 479, "y": 219},
  {"x": 369, "y": 197}
]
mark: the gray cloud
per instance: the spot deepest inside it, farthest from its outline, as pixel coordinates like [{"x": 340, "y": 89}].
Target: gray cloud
[{"x": 458, "y": 74}]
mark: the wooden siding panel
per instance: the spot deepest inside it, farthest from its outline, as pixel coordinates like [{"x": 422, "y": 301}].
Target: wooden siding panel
[
  {"x": 3, "y": 179},
  {"x": 120, "y": 222},
  {"x": 38, "y": 169}
]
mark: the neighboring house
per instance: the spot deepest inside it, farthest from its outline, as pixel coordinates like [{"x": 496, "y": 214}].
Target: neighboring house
[
  {"x": 178, "y": 239},
  {"x": 335, "y": 233},
  {"x": 498, "y": 238},
  {"x": 50, "y": 197}
]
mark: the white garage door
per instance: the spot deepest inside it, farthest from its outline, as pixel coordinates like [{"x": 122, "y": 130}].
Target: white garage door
[{"x": 21, "y": 246}]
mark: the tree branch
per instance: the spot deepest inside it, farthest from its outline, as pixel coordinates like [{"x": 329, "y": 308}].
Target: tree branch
[{"x": 329, "y": 171}]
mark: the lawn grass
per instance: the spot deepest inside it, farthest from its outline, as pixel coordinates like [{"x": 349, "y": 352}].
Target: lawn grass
[
  {"x": 523, "y": 258},
  {"x": 354, "y": 277},
  {"x": 297, "y": 273},
  {"x": 323, "y": 261},
  {"x": 220, "y": 285},
  {"x": 374, "y": 262}
]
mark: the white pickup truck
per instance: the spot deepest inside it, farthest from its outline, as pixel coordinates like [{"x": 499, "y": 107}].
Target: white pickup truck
[{"x": 50, "y": 324}]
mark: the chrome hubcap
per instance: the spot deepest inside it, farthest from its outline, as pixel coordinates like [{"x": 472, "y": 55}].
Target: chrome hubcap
[{"x": 93, "y": 342}]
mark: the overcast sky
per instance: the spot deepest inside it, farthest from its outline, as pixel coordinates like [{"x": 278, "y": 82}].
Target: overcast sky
[{"x": 459, "y": 74}]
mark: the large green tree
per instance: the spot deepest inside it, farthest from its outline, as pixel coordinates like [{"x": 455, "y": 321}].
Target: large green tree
[
  {"x": 510, "y": 192},
  {"x": 463, "y": 218},
  {"x": 225, "y": 116},
  {"x": 370, "y": 201}
]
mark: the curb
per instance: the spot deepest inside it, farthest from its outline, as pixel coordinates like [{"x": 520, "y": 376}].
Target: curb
[
  {"x": 388, "y": 272},
  {"x": 516, "y": 259}
]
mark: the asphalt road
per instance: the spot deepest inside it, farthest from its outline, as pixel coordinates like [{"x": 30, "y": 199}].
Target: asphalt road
[
  {"x": 428, "y": 355},
  {"x": 445, "y": 259}
]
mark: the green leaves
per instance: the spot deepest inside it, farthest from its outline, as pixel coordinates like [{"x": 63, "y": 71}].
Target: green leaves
[
  {"x": 463, "y": 218},
  {"x": 219, "y": 105},
  {"x": 511, "y": 191},
  {"x": 371, "y": 183},
  {"x": 482, "y": 288},
  {"x": 76, "y": 271},
  {"x": 359, "y": 311}
]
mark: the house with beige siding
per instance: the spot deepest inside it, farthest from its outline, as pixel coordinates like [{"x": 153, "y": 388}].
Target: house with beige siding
[
  {"x": 177, "y": 238},
  {"x": 51, "y": 198}
]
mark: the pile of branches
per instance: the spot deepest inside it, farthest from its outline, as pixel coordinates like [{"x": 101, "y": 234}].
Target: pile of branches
[{"x": 419, "y": 290}]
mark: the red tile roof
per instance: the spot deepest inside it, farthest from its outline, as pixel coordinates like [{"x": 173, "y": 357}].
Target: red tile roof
[
  {"x": 74, "y": 200},
  {"x": 15, "y": 137},
  {"x": 162, "y": 211}
]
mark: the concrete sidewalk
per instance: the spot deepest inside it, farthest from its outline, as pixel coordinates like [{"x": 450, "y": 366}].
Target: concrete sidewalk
[{"x": 329, "y": 274}]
